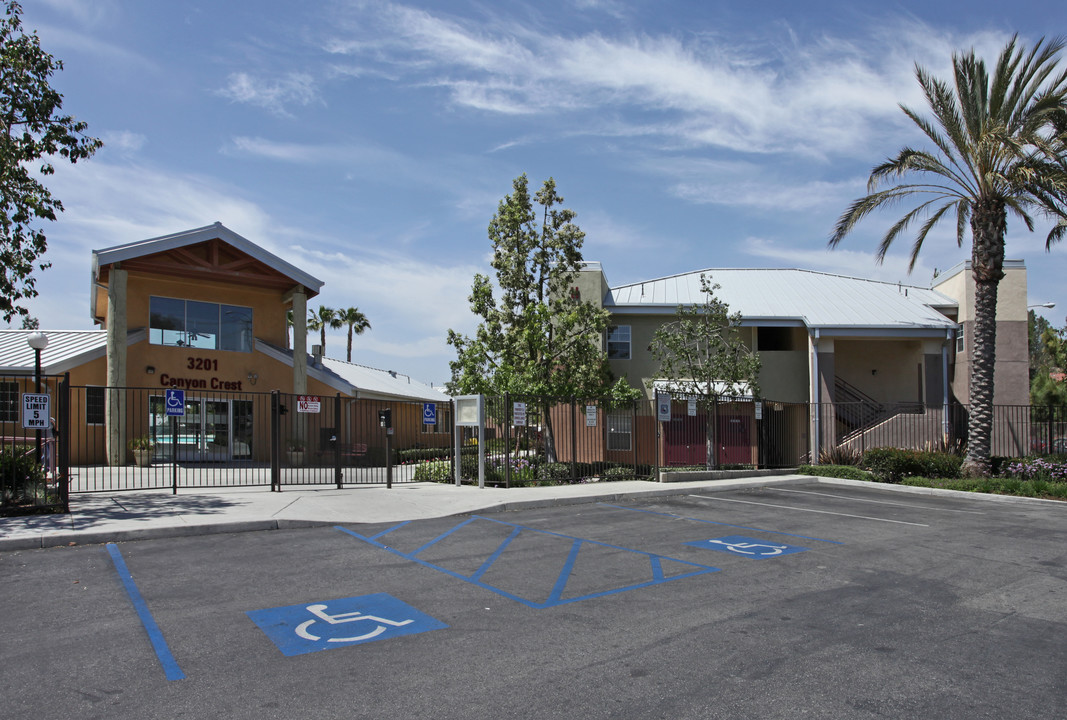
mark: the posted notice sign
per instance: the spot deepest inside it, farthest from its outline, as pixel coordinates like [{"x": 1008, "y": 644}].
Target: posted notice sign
[
  {"x": 518, "y": 411},
  {"x": 35, "y": 411},
  {"x": 308, "y": 403}
]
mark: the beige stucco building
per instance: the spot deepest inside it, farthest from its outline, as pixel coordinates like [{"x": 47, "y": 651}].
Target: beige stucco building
[{"x": 838, "y": 344}]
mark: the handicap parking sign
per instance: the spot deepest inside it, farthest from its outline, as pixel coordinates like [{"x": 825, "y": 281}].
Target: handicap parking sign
[
  {"x": 429, "y": 413},
  {"x": 307, "y": 628},
  {"x": 747, "y": 547},
  {"x": 175, "y": 402}
]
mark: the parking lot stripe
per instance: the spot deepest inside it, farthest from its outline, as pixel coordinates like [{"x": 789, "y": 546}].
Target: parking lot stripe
[
  {"x": 823, "y": 512},
  {"x": 155, "y": 635},
  {"x": 879, "y": 502},
  {"x": 715, "y": 522},
  {"x": 441, "y": 537},
  {"x": 496, "y": 554},
  {"x": 555, "y": 597}
]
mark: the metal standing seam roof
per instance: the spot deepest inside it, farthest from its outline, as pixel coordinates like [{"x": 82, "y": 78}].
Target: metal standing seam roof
[
  {"x": 359, "y": 380},
  {"x": 66, "y": 349},
  {"x": 371, "y": 382},
  {"x": 817, "y": 299}
]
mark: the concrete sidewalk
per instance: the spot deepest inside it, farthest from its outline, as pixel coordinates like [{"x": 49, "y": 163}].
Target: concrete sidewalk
[{"x": 144, "y": 514}]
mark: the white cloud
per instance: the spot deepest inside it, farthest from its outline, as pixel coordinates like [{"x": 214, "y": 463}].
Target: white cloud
[
  {"x": 123, "y": 141},
  {"x": 273, "y": 95},
  {"x": 820, "y": 97}
]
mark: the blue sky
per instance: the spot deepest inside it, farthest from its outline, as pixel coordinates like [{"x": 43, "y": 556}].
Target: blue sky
[{"x": 370, "y": 142}]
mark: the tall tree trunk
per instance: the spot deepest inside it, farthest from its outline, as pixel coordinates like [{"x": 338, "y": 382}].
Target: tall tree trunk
[
  {"x": 350, "y": 342},
  {"x": 988, "y": 226},
  {"x": 711, "y": 431},
  {"x": 548, "y": 435}
]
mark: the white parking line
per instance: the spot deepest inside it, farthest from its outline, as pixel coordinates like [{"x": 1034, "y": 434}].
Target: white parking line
[
  {"x": 879, "y": 502},
  {"x": 823, "y": 512}
]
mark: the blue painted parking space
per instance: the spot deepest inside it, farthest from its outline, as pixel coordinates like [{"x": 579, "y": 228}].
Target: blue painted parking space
[
  {"x": 747, "y": 547},
  {"x": 655, "y": 568},
  {"x": 676, "y": 516},
  {"x": 307, "y": 628}
]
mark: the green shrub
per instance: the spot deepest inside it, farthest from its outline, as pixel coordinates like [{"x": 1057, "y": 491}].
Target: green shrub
[
  {"x": 557, "y": 472},
  {"x": 22, "y": 479},
  {"x": 892, "y": 465},
  {"x": 850, "y": 472},
  {"x": 621, "y": 472},
  {"x": 438, "y": 453},
  {"x": 433, "y": 471},
  {"x": 841, "y": 455},
  {"x": 1000, "y": 486}
]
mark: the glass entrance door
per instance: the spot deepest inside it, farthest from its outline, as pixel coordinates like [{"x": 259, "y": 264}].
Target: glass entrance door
[{"x": 205, "y": 432}]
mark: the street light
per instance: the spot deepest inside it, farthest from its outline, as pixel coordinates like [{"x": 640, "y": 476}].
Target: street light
[
  {"x": 38, "y": 341},
  {"x": 1048, "y": 305}
]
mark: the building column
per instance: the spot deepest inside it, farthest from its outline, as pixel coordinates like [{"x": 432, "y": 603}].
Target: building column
[
  {"x": 823, "y": 376},
  {"x": 115, "y": 410},
  {"x": 300, "y": 340}
]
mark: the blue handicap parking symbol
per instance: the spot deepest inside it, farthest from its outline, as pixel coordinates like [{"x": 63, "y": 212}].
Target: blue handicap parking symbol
[
  {"x": 175, "y": 402},
  {"x": 429, "y": 413},
  {"x": 747, "y": 547},
  {"x": 307, "y": 628}
]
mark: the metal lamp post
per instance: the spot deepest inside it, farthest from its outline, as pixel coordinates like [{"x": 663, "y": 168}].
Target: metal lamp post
[{"x": 38, "y": 341}]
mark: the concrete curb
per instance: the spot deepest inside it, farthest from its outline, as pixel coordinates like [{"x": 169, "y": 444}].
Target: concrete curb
[{"x": 1010, "y": 499}]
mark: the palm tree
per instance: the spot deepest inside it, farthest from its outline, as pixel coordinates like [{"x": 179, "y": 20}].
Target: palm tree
[
  {"x": 997, "y": 151},
  {"x": 321, "y": 319},
  {"x": 357, "y": 324}
]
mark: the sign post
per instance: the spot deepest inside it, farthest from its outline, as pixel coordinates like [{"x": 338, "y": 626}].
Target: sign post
[{"x": 174, "y": 403}]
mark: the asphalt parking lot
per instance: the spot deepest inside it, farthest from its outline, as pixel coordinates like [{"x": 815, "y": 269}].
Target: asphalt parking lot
[{"x": 798, "y": 601}]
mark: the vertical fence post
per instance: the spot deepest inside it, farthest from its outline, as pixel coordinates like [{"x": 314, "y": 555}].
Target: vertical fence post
[
  {"x": 275, "y": 441},
  {"x": 633, "y": 434},
  {"x": 63, "y": 442},
  {"x": 337, "y": 442},
  {"x": 574, "y": 441},
  {"x": 1048, "y": 448},
  {"x": 173, "y": 454},
  {"x": 507, "y": 438}
]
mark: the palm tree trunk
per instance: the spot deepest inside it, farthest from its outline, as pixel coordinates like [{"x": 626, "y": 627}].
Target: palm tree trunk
[
  {"x": 349, "y": 342},
  {"x": 988, "y": 227}
]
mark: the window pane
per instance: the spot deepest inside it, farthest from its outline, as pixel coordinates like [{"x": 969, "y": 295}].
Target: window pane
[
  {"x": 94, "y": 405},
  {"x": 9, "y": 402},
  {"x": 236, "y": 329},
  {"x": 619, "y": 425},
  {"x": 202, "y": 324},
  {"x": 166, "y": 321},
  {"x": 619, "y": 343}
]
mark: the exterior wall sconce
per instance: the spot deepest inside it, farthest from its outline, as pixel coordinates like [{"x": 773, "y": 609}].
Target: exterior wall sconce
[
  {"x": 150, "y": 369},
  {"x": 252, "y": 377}
]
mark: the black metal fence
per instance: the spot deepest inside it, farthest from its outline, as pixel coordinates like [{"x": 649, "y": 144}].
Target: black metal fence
[
  {"x": 230, "y": 439},
  {"x": 33, "y": 449},
  {"x": 108, "y": 439}
]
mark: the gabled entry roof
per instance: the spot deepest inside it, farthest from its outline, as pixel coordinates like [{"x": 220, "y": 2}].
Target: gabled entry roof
[{"x": 213, "y": 252}]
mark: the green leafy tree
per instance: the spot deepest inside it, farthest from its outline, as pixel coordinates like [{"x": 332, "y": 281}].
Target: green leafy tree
[
  {"x": 321, "y": 319},
  {"x": 998, "y": 149},
  {"x": 537, "y": 338},
  {"x": 702, "y": 355},
  {"x": 31, "y": 128},
  {"x": 357, "y": 324},
  {"x": 1048, "y": 386},
  {"x": 1039, "y": 356}
]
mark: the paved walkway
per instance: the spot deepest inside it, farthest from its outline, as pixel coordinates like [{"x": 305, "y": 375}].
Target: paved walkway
[{"x": 144, "y": 514}]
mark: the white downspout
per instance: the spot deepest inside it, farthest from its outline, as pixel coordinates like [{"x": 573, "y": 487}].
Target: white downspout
[{"x": 949, "y": 337}]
